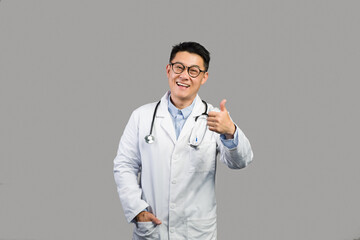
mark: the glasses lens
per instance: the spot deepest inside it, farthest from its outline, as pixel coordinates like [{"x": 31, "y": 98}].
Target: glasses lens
[
  {"x": 178, "y": 68},
  {"x": 194, "y": 71}
]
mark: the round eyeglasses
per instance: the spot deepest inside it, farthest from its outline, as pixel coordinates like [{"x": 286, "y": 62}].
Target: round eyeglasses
[{"x": 193, "y": 71}]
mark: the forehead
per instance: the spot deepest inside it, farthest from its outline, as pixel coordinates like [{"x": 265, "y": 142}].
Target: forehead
[{"x": 189, "y": 59}]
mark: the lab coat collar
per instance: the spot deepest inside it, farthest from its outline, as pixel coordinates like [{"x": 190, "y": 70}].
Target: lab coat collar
[
  {"x": 164, "y": 112},
  {"x": 167, "y": 124}
]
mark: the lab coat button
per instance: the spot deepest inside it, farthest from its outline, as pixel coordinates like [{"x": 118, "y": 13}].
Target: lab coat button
[
  {"x": 172, "y": 230},
  {"x": 172, "y": 206},
  {"x": 173, "y": 181}
]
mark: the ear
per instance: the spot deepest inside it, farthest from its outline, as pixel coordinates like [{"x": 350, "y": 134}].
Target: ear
[
  {"x": 205, "y": 78},
  {"x": 168, "y": 68}
]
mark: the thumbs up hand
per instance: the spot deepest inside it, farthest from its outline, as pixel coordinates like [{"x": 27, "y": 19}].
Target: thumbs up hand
[{"x": 220, "y": 122}]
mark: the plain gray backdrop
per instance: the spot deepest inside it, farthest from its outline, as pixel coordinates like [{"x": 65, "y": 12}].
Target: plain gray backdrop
[{"x": 73, "y": 71}]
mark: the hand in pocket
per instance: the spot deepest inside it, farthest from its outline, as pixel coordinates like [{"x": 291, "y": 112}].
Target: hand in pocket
[{"x": 145, "y": 216}]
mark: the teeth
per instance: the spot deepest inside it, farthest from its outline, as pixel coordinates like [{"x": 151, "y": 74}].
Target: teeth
[{"x": 181, "y": 84}]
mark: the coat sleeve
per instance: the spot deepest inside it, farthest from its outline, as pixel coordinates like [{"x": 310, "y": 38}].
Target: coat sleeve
[
  {"x": 127, "y": 165},
  {"x": 239, "y": 156}
]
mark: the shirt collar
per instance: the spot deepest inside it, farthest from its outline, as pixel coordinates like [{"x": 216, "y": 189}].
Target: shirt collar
[{"x": 175, "y": 111}]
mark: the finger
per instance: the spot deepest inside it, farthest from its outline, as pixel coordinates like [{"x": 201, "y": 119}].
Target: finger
[
  {"x": 222, "y": 105},
  {"x": 213, "y": 129},
  {"x": 213, "y": 114},
  {"x": 211, "y": 124},
  {"x": 155, "y": 219},
  {"x": 212, "y": 119}
]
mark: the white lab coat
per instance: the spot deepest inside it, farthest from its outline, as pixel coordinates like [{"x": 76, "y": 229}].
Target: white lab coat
[{"x": 177, "y": 181}]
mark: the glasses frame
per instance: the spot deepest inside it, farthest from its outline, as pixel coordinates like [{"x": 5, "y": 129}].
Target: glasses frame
[{"x": 188, "y": 69}]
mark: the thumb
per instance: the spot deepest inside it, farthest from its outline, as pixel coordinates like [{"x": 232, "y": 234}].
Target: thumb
[
  {"x": 222, "y": 105},
  {"x": 155, "y": 220}
]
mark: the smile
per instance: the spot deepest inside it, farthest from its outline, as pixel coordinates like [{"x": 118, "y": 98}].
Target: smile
[{"x": 182, "y": 84}]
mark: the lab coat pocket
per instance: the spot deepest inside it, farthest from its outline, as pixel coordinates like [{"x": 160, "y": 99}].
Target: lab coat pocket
[
  {"x": 145, "y": 230},
  {"x": 203, "y": 157},
  {"x": 202, "y": 229}
]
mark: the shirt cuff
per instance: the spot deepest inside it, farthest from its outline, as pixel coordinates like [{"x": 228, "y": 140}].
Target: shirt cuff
[{"x": 230, "y": 143}]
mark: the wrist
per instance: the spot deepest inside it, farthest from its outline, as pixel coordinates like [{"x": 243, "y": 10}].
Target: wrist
[{"x": 230, "y": 134}]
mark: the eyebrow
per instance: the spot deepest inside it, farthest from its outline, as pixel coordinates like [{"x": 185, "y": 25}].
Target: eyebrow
[{"x": 188, "y": 66}]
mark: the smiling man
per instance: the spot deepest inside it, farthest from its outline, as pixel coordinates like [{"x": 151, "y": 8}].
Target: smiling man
[{"x": 166, "y": 161}]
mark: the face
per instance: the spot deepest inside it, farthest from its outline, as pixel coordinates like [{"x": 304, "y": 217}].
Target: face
[{"x": 182, "y": 86}]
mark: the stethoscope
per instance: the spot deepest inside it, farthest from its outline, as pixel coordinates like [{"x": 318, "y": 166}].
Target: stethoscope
[{"x": 192, "y": 142}]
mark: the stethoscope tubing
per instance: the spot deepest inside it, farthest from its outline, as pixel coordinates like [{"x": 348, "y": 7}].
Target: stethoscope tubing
[
  {"x": 150, "y": 138},
  {"x": 154, "y": 115}
]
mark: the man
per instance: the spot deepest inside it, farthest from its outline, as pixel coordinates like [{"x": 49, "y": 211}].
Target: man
[{"x": 173, "y": 145}]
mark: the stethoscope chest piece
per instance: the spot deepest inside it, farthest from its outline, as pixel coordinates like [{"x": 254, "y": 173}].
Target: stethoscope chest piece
[{"x": 149, "y": 138}]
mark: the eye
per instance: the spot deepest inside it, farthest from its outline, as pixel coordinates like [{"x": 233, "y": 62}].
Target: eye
[
  {"x": 178, "y": 66},
  {"x": 194, "y": 71}
]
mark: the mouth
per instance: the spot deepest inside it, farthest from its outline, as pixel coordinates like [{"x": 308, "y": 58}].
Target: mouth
[{"x": 182, "y": 85}]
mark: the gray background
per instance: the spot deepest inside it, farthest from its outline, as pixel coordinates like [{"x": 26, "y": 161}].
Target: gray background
[{"x": 72, "y": 72}]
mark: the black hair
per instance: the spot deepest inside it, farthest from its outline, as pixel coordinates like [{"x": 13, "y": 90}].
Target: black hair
[{"x": 192, "y": 47}]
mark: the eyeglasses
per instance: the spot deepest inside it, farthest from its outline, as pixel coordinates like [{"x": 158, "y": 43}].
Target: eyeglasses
[{"x": 193, "y": 71}]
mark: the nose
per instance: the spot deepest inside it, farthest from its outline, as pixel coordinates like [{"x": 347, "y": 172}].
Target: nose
[{"x": 184, "y": 75}]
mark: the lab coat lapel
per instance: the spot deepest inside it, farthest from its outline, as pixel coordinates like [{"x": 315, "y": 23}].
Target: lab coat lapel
[
  {"x": 199, "y": 108},
  {"x": 165, "y": 119}
]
